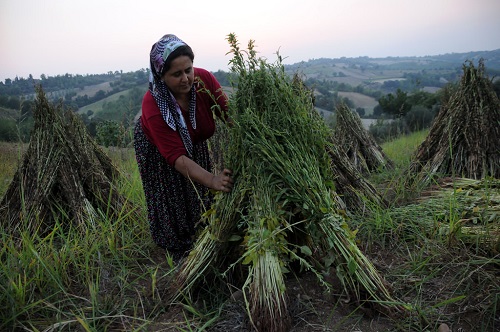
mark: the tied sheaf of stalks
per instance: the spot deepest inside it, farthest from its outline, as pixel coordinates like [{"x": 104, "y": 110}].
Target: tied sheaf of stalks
[
  {"x": 283, "y": 207},
  {"x": 63, "y": 174},
  {"x": 351, "y": 137},
  {"x": 463, "y": 140},
  {"x": 353, "y": 152},
  {"x": 358, "y": 194}
]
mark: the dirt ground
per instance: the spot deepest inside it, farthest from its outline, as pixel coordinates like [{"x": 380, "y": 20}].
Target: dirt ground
[
  {"x": 310, "y": 306},
  {"x": 313, "y": 308}
]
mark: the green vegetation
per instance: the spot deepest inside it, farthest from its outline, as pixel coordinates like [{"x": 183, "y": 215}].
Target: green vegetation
[
  {"x": 70, "y": 83},
  {"x": 283, "y": 210},
  {"x": 112, "y": 277},
  {"x": 398, "y": 150}
]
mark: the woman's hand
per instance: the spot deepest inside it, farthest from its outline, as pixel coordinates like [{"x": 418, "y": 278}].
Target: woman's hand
[
  {"x": 223, "y": 181},
  {"x": 191, "y": 170}
]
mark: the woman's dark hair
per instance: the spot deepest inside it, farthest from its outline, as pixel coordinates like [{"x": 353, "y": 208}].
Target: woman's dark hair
[{"x": 179, "y": 51}]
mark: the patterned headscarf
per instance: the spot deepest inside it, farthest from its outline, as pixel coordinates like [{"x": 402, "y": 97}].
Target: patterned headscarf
[{"x": 166, "y": 102}]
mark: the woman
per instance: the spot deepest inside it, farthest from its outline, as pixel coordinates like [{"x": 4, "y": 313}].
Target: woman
[{"x": 170, "y": 142}]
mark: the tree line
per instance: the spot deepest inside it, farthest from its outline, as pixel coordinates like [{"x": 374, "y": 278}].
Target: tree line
[{"x": 404, "y": 109}]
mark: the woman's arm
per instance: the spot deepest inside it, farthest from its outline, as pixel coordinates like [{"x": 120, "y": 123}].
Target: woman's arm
[{"x": 193, "y": 171}]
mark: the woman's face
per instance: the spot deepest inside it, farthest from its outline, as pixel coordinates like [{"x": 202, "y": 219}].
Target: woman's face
[{"x": 179, "y": 78}]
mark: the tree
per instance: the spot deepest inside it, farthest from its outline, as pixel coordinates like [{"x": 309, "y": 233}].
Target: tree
[
  {"x": 423, "y": 98},
  {"x": 361, "y": 111},
  {"x": 419, "y": 117},
  {"x": 396, "y": 105},
  {"x": 109, "y": 133},
  {"x": 101, "y": 94},
  {"x": 8, "y": 130},
  {"x": 377, "y": 111},
  {"x": 14, "y": 103}
]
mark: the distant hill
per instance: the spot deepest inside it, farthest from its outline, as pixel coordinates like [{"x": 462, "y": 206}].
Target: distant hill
[
  {"x": 362, "y": 80},
  {"x": 373, "y": 72}
]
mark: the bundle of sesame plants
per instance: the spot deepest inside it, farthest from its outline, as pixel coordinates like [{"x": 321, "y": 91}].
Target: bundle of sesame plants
[
  {"x": 361, "y": 148},
  {"x": 463, "y": 140},
  {"x": 283, "y": 213},
  {"x": 358, "y": 195},
  {"x": 354, "y": 154},
  {"x": 64, "y": 175}
]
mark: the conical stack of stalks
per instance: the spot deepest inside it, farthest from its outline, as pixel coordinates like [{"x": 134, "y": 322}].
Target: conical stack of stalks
[
  {"x": 358, "y": 195},
  {"x": 463, "y": 140},
  {"x": 357, "y": 143},
  {"x": 283, "y": 209},
  {"x": 64, "y": 175}
]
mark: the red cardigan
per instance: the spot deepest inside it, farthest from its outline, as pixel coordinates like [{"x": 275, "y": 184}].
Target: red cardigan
[{"x": 168, "y": 141}]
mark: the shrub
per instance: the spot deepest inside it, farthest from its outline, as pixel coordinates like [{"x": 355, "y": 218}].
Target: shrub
[
  {"x": 8, "y": 130},
  {"x": 419, "y": 117},
  {"x": 385, "y": 130}
]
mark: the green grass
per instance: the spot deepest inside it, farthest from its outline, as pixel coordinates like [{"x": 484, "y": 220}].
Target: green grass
[
  {"x": 91, "y": 278},
  {"x": 109, "y": 276},
  {"x": 400, "y": 150}
]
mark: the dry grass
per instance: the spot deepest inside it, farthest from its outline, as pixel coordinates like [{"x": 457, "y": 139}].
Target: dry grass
[{"x": 462, "y": 141}]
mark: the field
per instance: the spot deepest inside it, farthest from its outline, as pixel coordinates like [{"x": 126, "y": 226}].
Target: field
[
  {"x": 351, "y": 76},
  {"x": 435, "y": 249},
  {"x": 360, "y": 100},
  {"x": 91, "y": 90},
  {"x": 98, "y": 106}
]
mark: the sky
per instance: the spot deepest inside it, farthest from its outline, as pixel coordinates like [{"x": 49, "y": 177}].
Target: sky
[{"x": 55, "y": 37}]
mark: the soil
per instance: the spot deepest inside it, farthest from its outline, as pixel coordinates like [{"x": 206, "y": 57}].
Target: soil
[{"x": 313, "y": 308}]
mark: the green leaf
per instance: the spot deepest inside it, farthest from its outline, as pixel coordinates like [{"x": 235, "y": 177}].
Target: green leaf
[
  {"x": 352, "y": 266},
  {"x": 306, "y": 250},
  {"x": 330, "y": 184},
  {"x": 234, "y": 238},
  {"x": 329, "y": 261},
  {"x": 449, "y": 301},
  {"x": 284, "y": 269},
  {"x": 209, "y": 212},
  {"x": 248, "y": 259}
]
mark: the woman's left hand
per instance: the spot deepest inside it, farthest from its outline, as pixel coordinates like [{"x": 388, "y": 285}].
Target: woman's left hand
[{"x": 223, "y": 181}]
